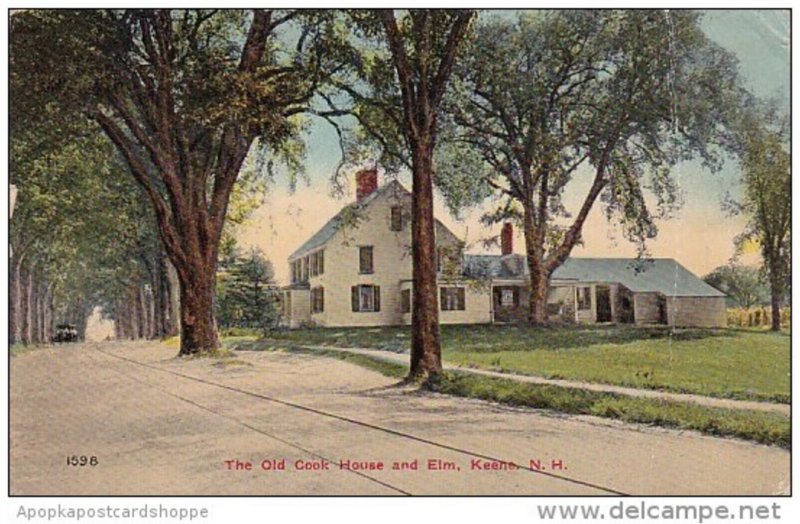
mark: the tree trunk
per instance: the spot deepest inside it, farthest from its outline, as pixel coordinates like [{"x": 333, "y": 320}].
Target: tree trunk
[
  {"x": 41, "y": 332},
  {"x": 141, "y": 307},
  {"x": 172, "y": 293},
  {"x": 50, "y": 320},
  {"x": 34, "y": 309},
  {"x": 537, "y": 299},
  {"x": 152, "y": 330},
  {"x": 198, "y": 333},
  {"x": 775, "y": 299},
  {"x": 426, "y": 352},
  {"x": 14, "y": 300},
  {"x": 159, "y": 296},
  {"x": 119, "y": 323},
  {"x": 127, "y": 317},
  {"x": 25, "y": 307},
  {"x": 539, "y": 277}
]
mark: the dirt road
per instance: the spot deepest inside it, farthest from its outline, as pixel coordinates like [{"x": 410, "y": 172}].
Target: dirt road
[{"x": 163, "y": 426}]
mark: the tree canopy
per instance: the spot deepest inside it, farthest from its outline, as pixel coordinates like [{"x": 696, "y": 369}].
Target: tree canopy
[
  {"x": 618, "y": 96},
  {"x": 183, "y": 95}
]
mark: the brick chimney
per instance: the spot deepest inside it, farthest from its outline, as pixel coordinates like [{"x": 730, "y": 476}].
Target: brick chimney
[
  {"x": 507, "y": 239},
  {"x": 366, "y": 183}
]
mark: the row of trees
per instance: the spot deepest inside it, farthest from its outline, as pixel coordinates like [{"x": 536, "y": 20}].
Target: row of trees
[
  {"x": 82, "y": 237},
  {"x": 761, "y": 141},
  {"x": 746, "y": 285},
  {"x": 513, "y": 107}
]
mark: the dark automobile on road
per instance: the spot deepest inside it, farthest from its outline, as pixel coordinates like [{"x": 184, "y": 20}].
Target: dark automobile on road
[{"x": 65, "y": 333}]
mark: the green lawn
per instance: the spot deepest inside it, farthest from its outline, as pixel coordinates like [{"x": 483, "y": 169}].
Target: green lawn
[
  {"x": 758, "y": 426},
  {"x": 722, "y": 362}
]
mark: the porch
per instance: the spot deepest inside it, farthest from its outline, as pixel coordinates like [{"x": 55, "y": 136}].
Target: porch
[{"x": 567, "y": 302}]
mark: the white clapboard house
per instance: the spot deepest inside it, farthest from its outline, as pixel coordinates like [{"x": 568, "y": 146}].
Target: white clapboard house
[{"x": 356, "y": 271}]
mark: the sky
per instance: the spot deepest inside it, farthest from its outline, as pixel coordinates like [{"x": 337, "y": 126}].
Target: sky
[{"x": 700, "y": 236}]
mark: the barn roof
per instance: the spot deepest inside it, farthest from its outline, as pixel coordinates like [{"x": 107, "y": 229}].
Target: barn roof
[{"x": 658, "y": 275}]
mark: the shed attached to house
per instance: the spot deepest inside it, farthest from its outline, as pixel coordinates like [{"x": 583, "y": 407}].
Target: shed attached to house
[
  {"x": 655, "y": 291},
  {"x": 600, "y": 290}
]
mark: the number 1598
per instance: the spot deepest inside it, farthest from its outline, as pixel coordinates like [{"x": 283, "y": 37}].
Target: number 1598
[{"x": 81, "y": 460}]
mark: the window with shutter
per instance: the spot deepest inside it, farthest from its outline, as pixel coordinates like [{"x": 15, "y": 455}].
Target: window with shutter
[{"x": 366, "y": 298}]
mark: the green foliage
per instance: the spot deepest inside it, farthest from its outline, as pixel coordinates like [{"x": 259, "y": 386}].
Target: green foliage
[
  {"x": 246, "y": 294},
  {"x": 763, "y": 427},
  {"x": 743, "y": 285},
  {"x": 79, "y": 220},
  {"x": 77, "y": 59},
  {"x": 182, "y": 94},
  {"x": 766, "y": 202},
  {"x": 625, "y": 93},
  {"x": 369, "y": 88}
]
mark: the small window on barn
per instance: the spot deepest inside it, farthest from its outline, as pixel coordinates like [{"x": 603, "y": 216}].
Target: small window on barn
[
  {"x": 584, "y": 298},
  {"x": 397, "y": 218},
  {"x": 405, "y": 299},
  {"x": 452, "y": 298},
  {"x": 365, "y": 260},
  {"x": 317, "y": 299}
]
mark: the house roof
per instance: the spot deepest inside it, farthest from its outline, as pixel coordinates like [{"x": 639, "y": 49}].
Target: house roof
[
  {"x": 659, "y": 275},
  {"x": 326, "y": 232},
  {"x": 330, "y": 228}
]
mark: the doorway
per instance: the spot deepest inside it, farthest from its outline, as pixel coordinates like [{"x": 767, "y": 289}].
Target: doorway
[{"x": 603, "y": 298}]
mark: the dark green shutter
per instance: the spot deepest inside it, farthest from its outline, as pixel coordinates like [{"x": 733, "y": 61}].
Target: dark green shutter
[
  {"x": 516, "y": 296},
  {"x": 377, "y": 298},
  {"x": 354, "y": 296},
  {"x": 461, "y": 299}
]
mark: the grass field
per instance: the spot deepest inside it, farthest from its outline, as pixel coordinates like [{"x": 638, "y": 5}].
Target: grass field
[
  {"x": 728, "y": 363},
  {"x": 758, "y": 426}
]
